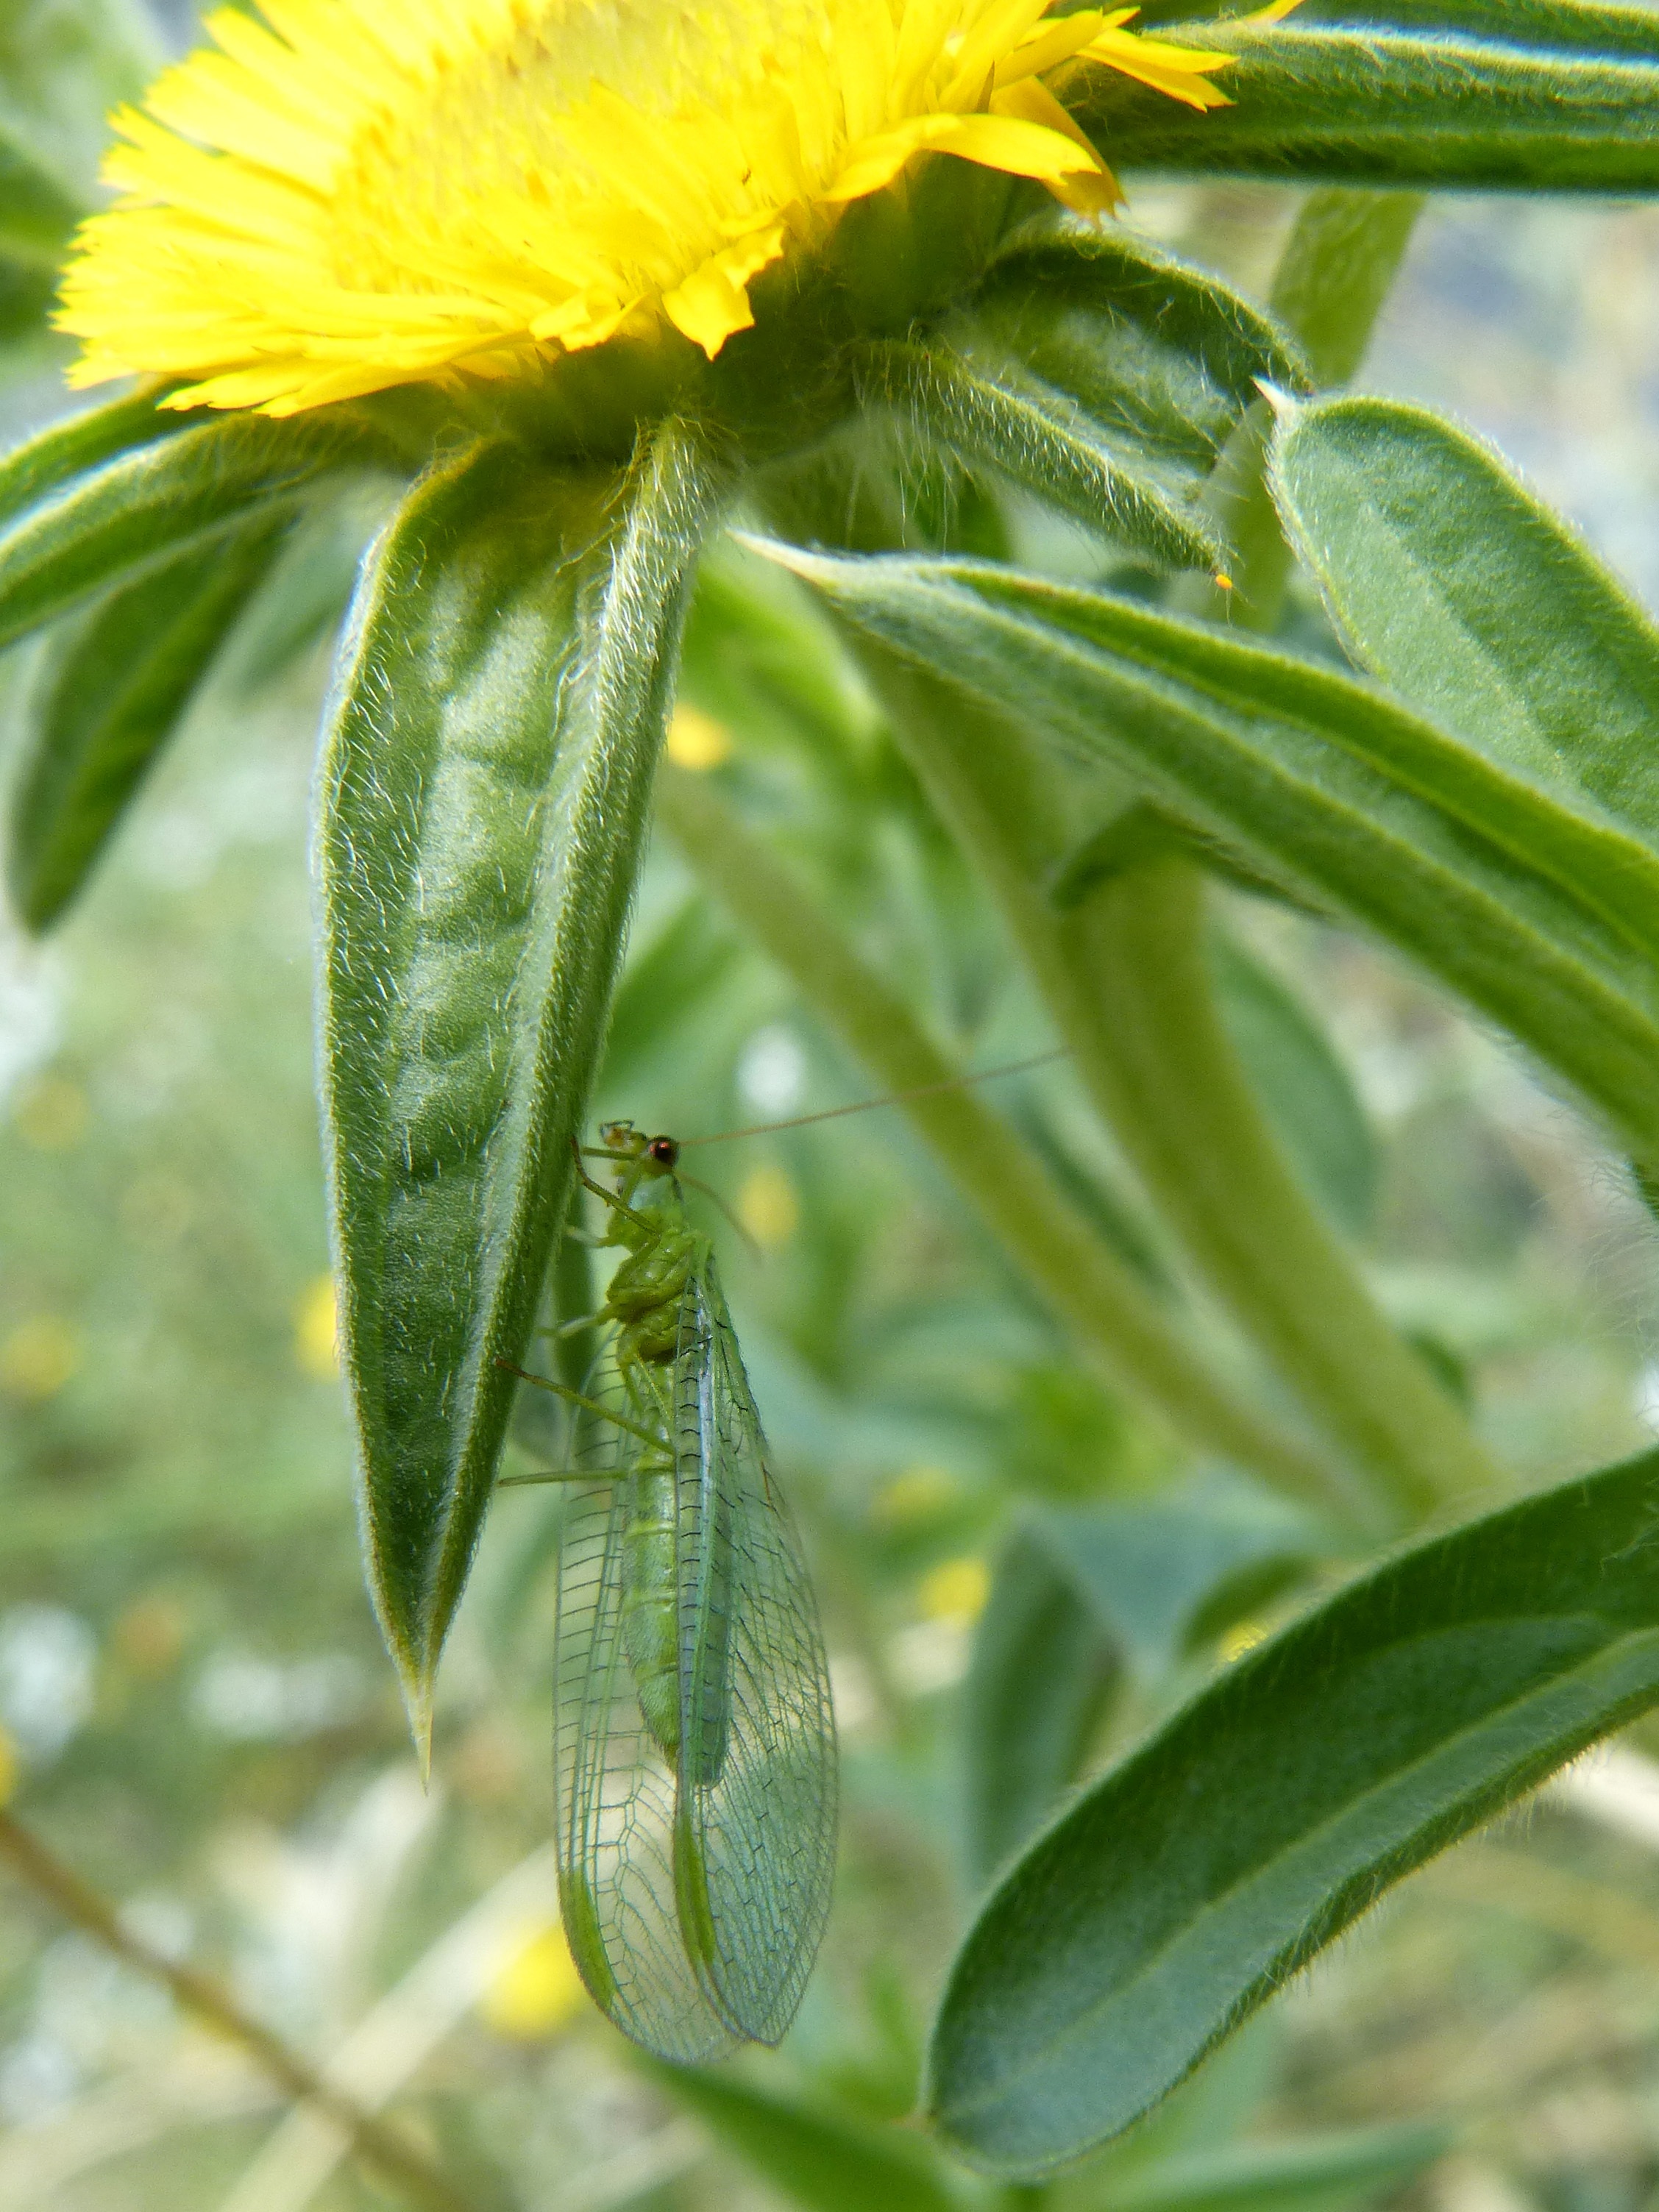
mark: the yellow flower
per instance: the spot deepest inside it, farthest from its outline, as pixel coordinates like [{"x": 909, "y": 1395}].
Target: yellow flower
[
  {"x": 362, "y": 193},
  {"x": 536, "y": 1989}
]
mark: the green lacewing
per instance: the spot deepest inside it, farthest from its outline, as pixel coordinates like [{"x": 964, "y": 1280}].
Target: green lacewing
[{"x": 694, "y": 1743}]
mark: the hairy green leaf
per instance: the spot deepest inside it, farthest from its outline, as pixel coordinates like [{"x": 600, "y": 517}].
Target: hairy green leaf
[
  {"x": 1307, "y": 1091},
  {"x": 148, "y": 504},
  {"x": 1155, "y": 351},
  {"x": 1133, "y": 1936},
  {"x": 820, "y": 2158},
  {"x": 54, "y": 457},
  {"x": 485, "y": 787},
  {"x": 1460, "y": 590},
  {"x": 1401, "y": 97},
  {"x": 114, "y": 689},
  {"x": 1543, "y": 914},
  {"x": 993, "y": 414},
  {"x": 1567, "y": 25}
]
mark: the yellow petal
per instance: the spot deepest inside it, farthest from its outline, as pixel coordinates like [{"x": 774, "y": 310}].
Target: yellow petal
[
  {"x": 350, "y": 194},
  {"x": 712, "y": 303},
  {"x": 1093, "y": 192}
]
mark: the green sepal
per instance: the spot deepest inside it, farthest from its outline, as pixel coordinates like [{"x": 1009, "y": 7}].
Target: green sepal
[
  {"x": 1184, "y": 1888},
  {"x": 1543, "y": 914},
  {"x": 1454, "y": 584},
  {"x": 1154, "y": 349},
  {"x": 484, "y": 791},
  {"x": 112, "y": 690},
  {"x": 992, "y": 414},
  {"x": 1395, "y": 100},
  {"x": 146, "y": 505}
]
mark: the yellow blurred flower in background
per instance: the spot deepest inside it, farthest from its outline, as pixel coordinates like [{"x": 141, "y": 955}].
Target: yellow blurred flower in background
[
  {"x": 955, "y": 1591},
  {"x": 767, "y": 1206},
  {"x": 697, "y": 740},
  {"x": 537, "y": 1990},
  {"x": 317, "y": 1329},
  {"x": 38, "y": 1358}
]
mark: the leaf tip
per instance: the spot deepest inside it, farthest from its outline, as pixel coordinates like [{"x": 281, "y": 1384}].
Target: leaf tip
[
  {"x": 418, "y": 1688},
  {"x": 1284, "y": 403},
  {"x": 792, "y": 557}
]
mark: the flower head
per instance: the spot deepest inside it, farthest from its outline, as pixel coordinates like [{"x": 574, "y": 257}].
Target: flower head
[{"x": 360, "y": 193}]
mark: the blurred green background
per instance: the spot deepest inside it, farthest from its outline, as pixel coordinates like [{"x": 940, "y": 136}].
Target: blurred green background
[{"x": 195, "y": 1706}]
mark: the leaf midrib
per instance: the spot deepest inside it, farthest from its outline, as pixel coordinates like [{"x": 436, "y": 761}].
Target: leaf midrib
[{"x": 1550, "y": 952}]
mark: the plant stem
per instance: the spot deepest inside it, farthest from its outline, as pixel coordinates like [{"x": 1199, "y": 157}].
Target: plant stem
[
  {"x": 1125, "y": 979},
  {"x": 1102, "y": 1302},
  {"x": 1132, "y": 997},
  {"x": 383, "y": 2147},
  {"x": 1183, "y": 1108}
]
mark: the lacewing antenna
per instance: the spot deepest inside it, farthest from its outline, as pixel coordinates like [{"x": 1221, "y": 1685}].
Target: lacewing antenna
[
  {"x": 709, "y": 1191},
  {"x": 893, "y": 1098}
]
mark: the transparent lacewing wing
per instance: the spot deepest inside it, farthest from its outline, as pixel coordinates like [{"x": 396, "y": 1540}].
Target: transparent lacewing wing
[{"x": 695, "y": 1888}]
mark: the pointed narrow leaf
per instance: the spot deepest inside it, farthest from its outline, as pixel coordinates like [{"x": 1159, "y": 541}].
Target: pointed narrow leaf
[
  {"x": 1184, "y": 1889},
  {"x": 1544, "y": 915},
  {"x": 1568, "y": 27},
  {"x": 484, "y": 790},
  {"x": 1462, "y": 591},
  {"x": 1394, "y": 98},
  {"x": 113, "y": 691},
  {"x": 1150, "y": 348},
  {"x": 993, "y": 414},
  {"x": 1041, "y": 1671},
  {"x": 1306, "y": 1090},
  {"x": 309, "y": 590},
  {"x": 818, "y": 2159},
  {"x": 1305, "y": 2173},
  {"x": 42, "y": 465},
  {"x": 141, "y": 507},
  {"x": 1161, "y": 1576}
]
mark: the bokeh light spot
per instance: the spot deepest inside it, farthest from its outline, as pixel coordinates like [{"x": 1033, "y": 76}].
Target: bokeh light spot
[
  {"x": 537, "y": 1990},
  {"x": 51, "y": 1114},
  {"x": 697, "y": 740},
  {"x": 317, "y": 1329},
  {"x": 955, "y": 1590},
  {"x": 768, "y": 1208},
  {"x": 38, "y": 1358}
]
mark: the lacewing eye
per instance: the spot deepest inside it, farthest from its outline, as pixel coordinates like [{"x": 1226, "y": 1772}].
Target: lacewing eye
[{"x": 665, "y": 1152}]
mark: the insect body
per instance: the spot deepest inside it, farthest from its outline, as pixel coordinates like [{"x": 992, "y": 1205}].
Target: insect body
[{"x": 695, "y": 1746}]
